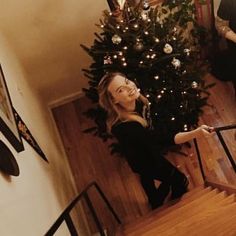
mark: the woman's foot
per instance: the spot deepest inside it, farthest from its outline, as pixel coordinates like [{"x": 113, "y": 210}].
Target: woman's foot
[
  {"x": 161, "y": 194},
  {"x": 178, "y": 192}
]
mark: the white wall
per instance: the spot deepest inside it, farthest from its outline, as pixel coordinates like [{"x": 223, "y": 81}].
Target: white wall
[
  {"x": 46, "y": 37},
  {"x": 31, "y": 202}
]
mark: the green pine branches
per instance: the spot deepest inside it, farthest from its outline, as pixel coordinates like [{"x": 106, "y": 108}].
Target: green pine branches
[{"x": 157, "y": 48}]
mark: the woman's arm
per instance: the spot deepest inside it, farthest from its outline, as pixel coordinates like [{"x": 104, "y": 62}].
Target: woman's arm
[
  {"x": 224, "y": 30},
  {"x": 183, "y": 137}
]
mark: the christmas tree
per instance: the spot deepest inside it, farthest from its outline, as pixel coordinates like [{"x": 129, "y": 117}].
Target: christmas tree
[{"x": 158, "y": 48}]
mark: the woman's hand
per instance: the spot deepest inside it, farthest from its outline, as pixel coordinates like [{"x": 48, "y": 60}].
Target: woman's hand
[{"x": 204, "y": 130}]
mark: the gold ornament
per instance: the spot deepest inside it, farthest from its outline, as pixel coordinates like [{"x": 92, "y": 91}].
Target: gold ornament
[
  {"x": 144, "y": 16},
  {"x": 138, "y": 46},
  {"x": 168, "y": 48}
]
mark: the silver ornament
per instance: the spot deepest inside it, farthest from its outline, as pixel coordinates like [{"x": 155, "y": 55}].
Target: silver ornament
[
  {"x": 107, "y": 60},
  {"x": 168, "y": 48},
  {"x": 146, "y": 5},
  {"x": 176, "y": 63},
  {"x": 187, "y": 51},
  {"x": 116, "y": 39},
  {"x": 194, "y": 85}
]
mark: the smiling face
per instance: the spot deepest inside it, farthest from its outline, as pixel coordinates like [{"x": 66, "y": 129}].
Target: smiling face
[{"x": 124, "y": 91}]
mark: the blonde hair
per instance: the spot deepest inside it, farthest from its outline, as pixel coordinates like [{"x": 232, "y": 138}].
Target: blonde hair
[{"x": 115, "y": 111}]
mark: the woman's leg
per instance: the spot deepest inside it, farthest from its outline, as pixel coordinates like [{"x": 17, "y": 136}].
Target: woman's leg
[
  {"x": 170, "y": 175},
  {"x": 156, "y": 196},
  {"x": 179, "y": 184}
]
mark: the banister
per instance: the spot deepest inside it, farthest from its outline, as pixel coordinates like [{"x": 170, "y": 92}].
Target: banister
[
  {"x": 228, "y": 154},
  {"x": 227, "y": 127},
  {"x": 199, "y": 159},
  {"x": 226, "y": 150},
  {"x": 65, "y": 215}
]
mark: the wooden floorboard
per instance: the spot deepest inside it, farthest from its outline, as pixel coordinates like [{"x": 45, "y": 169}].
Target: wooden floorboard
[{"x": 90, "y": 158}]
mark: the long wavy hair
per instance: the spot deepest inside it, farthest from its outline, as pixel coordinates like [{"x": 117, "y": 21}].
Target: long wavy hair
[{"x": 116, "y": 113}]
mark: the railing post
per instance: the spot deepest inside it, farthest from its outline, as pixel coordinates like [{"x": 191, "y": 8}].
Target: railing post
[
  {"x": 108, "y": 203},
  {"x": 199, "y": 160},
  {"x": 226, "y": 149},
  {"x": 71, "y": 225},
  {"x": 97, "y": 222}
]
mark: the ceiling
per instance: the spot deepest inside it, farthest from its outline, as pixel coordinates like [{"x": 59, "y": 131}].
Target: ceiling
[{"x": 46, "y": 36}]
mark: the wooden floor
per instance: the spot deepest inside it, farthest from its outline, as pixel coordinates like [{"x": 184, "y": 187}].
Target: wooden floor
[{"x": 90, "y": 159}]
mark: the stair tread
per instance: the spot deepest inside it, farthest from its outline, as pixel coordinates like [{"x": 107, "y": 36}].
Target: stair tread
[
  {"x": 218, "y": 221},
  {"x": 188, "y": 197},
  {"x": 210, "y": 199},
  {"x": 229, "y": 199},
  {"x": 193, "y": 191}
]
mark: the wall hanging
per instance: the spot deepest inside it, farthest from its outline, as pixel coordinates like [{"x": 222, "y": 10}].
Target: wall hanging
[
  {"x": 8, "y": 162},
  {"x": 26, "y": 134},
  {"x": 7, "y": 120}
]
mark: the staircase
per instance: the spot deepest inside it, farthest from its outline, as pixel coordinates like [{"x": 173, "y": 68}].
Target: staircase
[{"x": 204, "y": 211}]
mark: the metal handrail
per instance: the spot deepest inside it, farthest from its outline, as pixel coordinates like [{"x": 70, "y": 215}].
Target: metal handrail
[
  {"x": 65, "y": 215},
  {"x": 227, "y": 152}
]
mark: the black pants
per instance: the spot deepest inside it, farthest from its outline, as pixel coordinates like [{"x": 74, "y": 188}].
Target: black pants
[
  {"x": 224, "y": 64},
  {"x": 171, "y": 180}
]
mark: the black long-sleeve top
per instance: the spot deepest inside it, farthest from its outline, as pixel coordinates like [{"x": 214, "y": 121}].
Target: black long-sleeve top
[{"x": 141, "y": 146}]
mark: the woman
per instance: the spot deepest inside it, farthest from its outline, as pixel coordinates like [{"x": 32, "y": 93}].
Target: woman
[
  {"x": 129, "y": 121},
  {"x": 225, "y": 22}
]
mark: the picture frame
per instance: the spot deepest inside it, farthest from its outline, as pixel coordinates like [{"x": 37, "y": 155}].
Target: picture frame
[{"x": 8, "y": 125}]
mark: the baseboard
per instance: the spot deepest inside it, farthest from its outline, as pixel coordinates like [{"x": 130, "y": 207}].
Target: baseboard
[{"x": 66, "y": 99}]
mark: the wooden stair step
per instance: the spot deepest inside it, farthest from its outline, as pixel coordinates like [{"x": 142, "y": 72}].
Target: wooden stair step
[
  {"x": 229, "y": 199},
  {"x": 193, "y": 191},
  {"x": 146, "y": 217},
  {"x": 185, "y": 199},
  {"x": 217, "y": 221},
  {"x": 189, "y": 196},
  {"x": 209, "y": 198},
  {"x": 181, "y": 214},
  {"x": 166, "y": 209}
]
